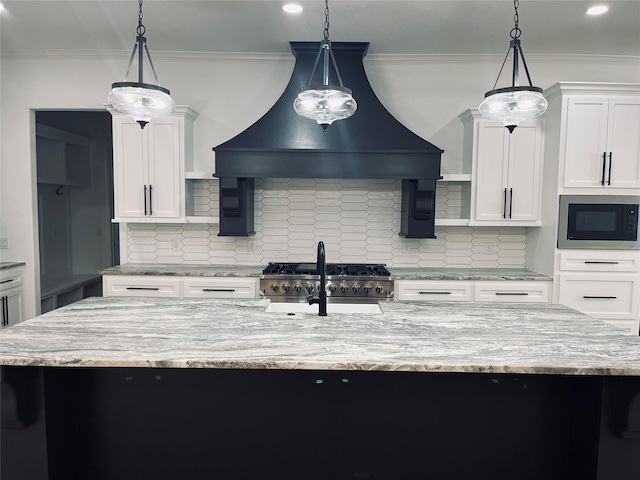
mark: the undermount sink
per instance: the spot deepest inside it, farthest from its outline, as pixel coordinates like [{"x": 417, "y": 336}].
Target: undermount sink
[{"x": 293, "y": 308}]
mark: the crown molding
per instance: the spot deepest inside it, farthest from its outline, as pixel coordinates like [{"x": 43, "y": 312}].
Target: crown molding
[{"x": 491, "y": 58}]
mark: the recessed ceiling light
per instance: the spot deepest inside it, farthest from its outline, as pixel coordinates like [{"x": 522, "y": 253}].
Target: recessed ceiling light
[
  {"x": 2, "y": 9},
  {"x": 597, "y": 10},
  {"x": 292, "y": 8}
]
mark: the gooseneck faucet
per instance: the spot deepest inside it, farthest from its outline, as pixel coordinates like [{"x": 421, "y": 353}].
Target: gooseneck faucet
[{"x": 321, "y": 268}]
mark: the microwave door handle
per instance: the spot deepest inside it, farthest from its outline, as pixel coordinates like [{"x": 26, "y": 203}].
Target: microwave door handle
[
  {"x": 604, "y": 166},
  {"x": 610, "y": 163}
]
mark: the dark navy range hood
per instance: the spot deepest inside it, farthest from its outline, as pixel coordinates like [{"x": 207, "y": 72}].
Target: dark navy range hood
[{"x": 370, "y": 144}]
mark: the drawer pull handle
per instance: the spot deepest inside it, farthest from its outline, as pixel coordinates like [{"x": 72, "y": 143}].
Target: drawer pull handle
[
  {"x": 434, "y": 293},
  {"x": 601, "y": 262},
  {"x": 513, "y": 293},
  {"x": 218, "y": 289},
  {"x": 599, "y": 297},
  {"x": 143, "y": 288},
  {"x": 7, "y": 281}
]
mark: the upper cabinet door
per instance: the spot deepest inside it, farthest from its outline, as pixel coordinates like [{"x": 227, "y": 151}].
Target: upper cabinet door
[
  {"x": 491, "y": 172},
  {"x": 623, "y": 143},
  {"x": 131, "y": 168},
  {"x": 165, "y": 160},
  {"x": 602, "y": 145}
]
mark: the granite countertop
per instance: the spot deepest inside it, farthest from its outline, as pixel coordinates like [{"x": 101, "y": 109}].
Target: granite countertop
[
  {"x": 397, "y": 273},
  {"x": 425, "y": 337},
  {"x": 6, "y": 265},
  {"x": 185, "y": 270},
  {"x": 495, "y": 274}
]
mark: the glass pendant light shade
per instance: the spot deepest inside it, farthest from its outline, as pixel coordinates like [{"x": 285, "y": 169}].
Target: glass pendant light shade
[
  {"x": 325, "y": 104},
  {"x": 141, "y": 101},
  {"x": 512, "y": 105}
]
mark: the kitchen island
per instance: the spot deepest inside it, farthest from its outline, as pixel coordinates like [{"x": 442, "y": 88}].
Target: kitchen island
[{"x": 169, "y": 388}]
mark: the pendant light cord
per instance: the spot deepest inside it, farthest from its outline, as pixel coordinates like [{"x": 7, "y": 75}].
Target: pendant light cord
[
  {"x": 326, "y": 19},
  {"x": 141, "y": 28},
  {"x": 515, "y": 35},
  {"x": 140, "y": 45}
]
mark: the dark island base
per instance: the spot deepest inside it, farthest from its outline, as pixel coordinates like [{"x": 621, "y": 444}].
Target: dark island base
[{"x": 128, "y": 423}]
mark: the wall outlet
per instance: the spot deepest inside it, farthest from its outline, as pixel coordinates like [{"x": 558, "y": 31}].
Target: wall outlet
[
  {"x": 251, "y": 246},
  {"x": 409, "y": 247},
  {"x": 4, "y": 242},
  {"x": 175, "y": 244},
  {"x": 488, "y": 248}
]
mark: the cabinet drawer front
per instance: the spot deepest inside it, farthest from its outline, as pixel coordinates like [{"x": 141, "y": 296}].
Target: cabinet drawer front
[
  {"x": 222, "y": 287},
  {"x": 605, "y": 261},
  {"x": 516, "y": 292},
  {"x": 10, "y": 278},
  {"x": 427, "y": 291},
  {"x": 602, "y": 296},
  {"x": 142, "y": 286}
]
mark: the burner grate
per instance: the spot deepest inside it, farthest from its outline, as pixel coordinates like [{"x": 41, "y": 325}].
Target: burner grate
[{"x": 333, "y": 269}]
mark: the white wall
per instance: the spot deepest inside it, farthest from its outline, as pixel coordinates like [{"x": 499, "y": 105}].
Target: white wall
[{"x": 230, "y": 92}]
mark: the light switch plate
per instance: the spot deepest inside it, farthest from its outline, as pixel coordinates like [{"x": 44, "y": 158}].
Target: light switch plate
[{"x": 4, "y": 242}]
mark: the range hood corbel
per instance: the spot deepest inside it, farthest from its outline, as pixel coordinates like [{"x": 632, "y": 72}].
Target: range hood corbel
[{"x": 370, "y": 144}]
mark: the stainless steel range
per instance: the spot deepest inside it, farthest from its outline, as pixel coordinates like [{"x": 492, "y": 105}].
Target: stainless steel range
[{"x": 352, "y": 282}]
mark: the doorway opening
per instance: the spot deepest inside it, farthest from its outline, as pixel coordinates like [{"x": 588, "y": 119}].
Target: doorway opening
[{"x": 75, "y": 204}]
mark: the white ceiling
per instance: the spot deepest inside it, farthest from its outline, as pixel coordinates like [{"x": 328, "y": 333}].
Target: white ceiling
[{"x": 260, "y": 26}]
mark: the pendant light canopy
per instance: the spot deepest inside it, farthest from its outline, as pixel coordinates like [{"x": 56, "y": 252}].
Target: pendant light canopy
[
  {"x": 516, "y": 103},
  {"x": 142, "y": 101},
  {"x": 325, "y": 103}
]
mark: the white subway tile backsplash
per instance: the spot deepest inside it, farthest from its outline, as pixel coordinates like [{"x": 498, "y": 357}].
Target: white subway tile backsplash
[{"x": 358, "y": 220}]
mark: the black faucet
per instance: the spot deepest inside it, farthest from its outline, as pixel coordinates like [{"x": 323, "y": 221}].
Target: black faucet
[{"x": 321, "y": 268}]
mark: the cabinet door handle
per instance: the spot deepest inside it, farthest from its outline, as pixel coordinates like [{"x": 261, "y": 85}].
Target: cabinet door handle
[
  {"x": 218, "y": 289},
  {"x": 150, "y": 201},
  {"x": 610, "y": 163},
  {"x": 143, "y": 288},
  {"x": 520, "y": 294},
  {"x": 510, "y": 202},
  {"x": 601, "y": 262},
  {"x": 599, "y": 297},
  {"x": 434, "y": 293},
  {"x": 604, "y": 166},
  {"x": 7, "y": 281},
  {"x": 504, "y": 204},
  {"x": 145, "y": 199},
  {"x": 5, "y": 311}
]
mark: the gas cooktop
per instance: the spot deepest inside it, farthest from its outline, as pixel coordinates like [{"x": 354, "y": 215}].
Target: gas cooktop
[{"x": 345, "y": 281}]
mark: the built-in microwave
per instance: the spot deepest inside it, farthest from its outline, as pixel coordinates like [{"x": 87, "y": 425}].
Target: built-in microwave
[{"x": 598, "y": 221}]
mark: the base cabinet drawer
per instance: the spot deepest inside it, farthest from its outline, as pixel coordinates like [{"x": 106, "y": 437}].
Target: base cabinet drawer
[
  {"x": 222, "y": 287},
  {"x": 512, "y": 291},
  {"x": 431, "y": 291},
  {"x": 600, "y": 261},
  {"x": 613, "y": 296},
  {"x": 141, "y": 286}
]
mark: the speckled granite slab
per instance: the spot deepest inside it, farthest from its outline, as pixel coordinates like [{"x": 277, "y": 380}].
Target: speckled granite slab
[
  {"x": 494, "y": 274},
  {"x": 185, "y": 270},
  {"x": 425, "y": 337}
]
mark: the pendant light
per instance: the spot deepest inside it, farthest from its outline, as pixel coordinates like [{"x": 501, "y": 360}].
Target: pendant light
[
  {"x": 325, "y": 103},
  {"x": 516, "y": 103},
  {"x": 142, "y": 101}
]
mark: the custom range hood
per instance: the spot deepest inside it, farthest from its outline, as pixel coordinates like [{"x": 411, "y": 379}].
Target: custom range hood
[{"x": 370, "y": 144}]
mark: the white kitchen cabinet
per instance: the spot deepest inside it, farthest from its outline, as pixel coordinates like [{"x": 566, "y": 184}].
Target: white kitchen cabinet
[
  {"x": 433, "y": 290},
  {"x": 149, "y": 167},
  {"x": 602, "y": 142},
  {"x": 506, "y": 170},
  {"x": 141, "y": 286},
  {"x": 512, "y": 291},
  {"x": 10, "y": 296},
  {"x": 176, "y": 286},
  {"x": 521, "y": 291},
  {"x": 603, "y": 284},
  {"x": 220, "y": 287}
]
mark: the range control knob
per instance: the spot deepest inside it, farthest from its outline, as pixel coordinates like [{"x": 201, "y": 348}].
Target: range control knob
[
  {"x": 367, "y": 288},
  {"x": 331, "y": 287},
  {"x": 344, "y": 287},
  {"x": 355, "y": 288},
  {"x": 297, "y": 287},
  {"x": 309, "y": 287},
  {"x": 286, "y": 287},
  {"x": 274, "y": 287},
  {"x": 379, "y": 289}
]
